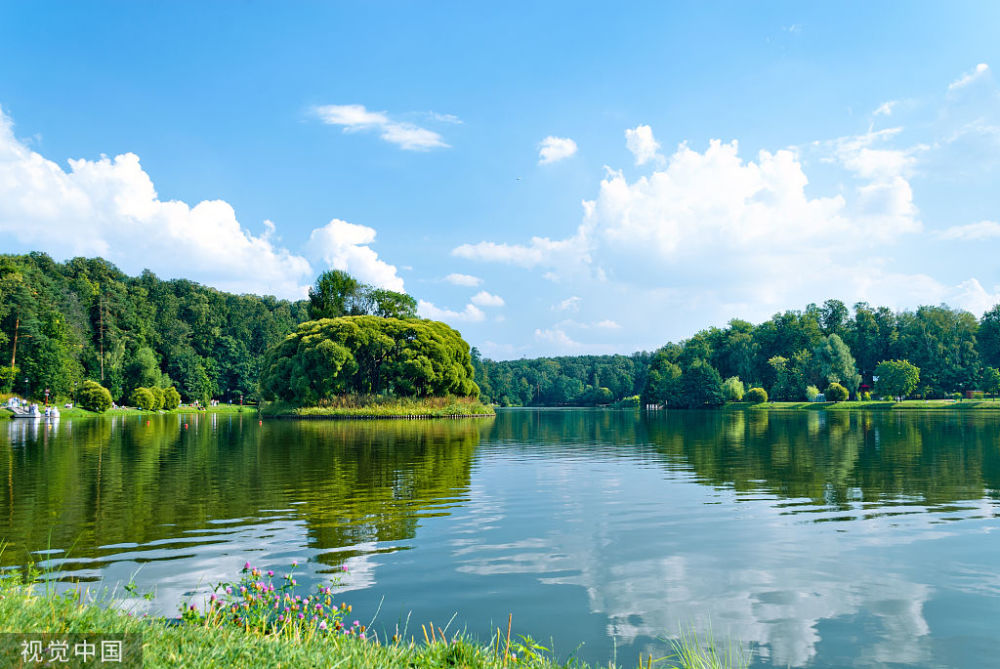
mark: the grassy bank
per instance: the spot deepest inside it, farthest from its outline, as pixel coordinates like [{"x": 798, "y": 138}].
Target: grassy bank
[
  {"x": 355, "y": 406},
  {"x": 200, "y": 641},
  {"x": 78, "y": 412},
  {"x": 873, "y": 405}
]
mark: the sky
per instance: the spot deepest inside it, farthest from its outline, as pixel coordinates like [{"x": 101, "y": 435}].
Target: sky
[{"x": 548, "y": 178}]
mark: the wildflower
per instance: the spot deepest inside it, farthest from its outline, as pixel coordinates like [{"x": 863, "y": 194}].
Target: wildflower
[
  {"x": 246, "y": 567},
  {"x": 270, "y": 573},
  {"x": 301, "y": 616},
  {"x": 229, "y": 591},
  {"x": 322, "y": 625}
]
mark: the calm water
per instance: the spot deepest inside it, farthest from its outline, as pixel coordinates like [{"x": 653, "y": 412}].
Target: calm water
[{"x": 820, "y": 539}]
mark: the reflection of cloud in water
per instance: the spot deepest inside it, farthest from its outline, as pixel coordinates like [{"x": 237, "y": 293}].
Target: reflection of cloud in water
[
  {"x": 756, "y": 575},
  {"x": 220, "y": 556}
]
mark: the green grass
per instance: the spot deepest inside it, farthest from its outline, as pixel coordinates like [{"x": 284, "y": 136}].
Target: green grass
[
  {"x": 79, "y": 412},
  {"x": 353, "y": 406},
  {"x": 31, "y": 608},
  {"x": 874, "y": 405}
]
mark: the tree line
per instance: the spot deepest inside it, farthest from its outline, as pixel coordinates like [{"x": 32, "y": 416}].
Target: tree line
[
  {"x": 64, "y": 323},
  {"x": 789, "y": 356}
]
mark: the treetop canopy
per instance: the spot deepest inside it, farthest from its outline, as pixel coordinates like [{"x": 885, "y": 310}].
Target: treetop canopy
[{"x": 368, "y": 355}]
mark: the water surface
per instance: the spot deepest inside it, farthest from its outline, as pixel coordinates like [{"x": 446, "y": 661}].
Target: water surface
[{"x": 819, "y": 539}]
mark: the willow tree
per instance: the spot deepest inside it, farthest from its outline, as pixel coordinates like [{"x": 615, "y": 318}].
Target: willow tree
[{"x": 368, "y": 355}]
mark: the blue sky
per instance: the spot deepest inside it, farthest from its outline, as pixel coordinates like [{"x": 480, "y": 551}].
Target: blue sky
[{"x": 550, "y": 178}]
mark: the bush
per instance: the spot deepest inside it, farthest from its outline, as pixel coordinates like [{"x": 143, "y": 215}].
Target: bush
[
  {"x": 756, "y": 395},
  {"x": 142, "y": 398},
  {"x": 836, "y": 392},
  {"x": 866, "y": 396},
  {"x": 171, "y": 398},
  {"x": 158, "y": 398},
  {"x": 732, "y": 388},
  {"x": 811, "y": 393},
  {"x": 94, "y": 396}
]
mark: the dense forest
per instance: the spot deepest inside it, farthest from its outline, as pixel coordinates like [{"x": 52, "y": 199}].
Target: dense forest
[
  {"x": 63, "y": 323},
  {"x": 84, "y": 319},
  {"x": 786, "y": 355}
]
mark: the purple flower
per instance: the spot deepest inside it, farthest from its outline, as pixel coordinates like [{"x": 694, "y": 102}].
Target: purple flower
[
  {"x": 322, "y": 625},
  {"x": 301, "y": 616},
  {"x": 246, "y": 567},
  {"x": 270, "y": 573}
]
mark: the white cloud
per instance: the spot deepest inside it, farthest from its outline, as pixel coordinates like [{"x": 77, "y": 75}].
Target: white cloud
[
  {"x": 445, "y": 118},
  {"x": 607, "y": 324},
  {"x": 463, "y": 280},
  {"x": 972, "y": 231},
  {"x": 885, "y": 109},
  {"x": 643, "y": 146},
  {"x": 354, "y": 118},
  {"x": 557, "y": 338},
  {"x": 540, "y": 251},
  {"x": 344, "y": 246},
  {"x": 569, "y": 304},
  {"x": 471, "y": 313},
  {"x": 484, "y": 299},
  {"x": 110, "y": 207},
  {"x": 977, "y": 72},
  {"x": 553, "y": 149}
]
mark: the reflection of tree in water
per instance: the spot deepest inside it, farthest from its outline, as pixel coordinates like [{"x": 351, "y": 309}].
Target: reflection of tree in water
[
  {"x": 116, "y": 481},
  {"x": 836, "y": 457}
]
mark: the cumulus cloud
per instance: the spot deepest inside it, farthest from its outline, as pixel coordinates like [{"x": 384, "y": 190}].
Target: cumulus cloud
[
  {"x": 110, "y": 207},
  {"x": 607, "y": 324},
  {"x": 553, "y": 149},
  {"x": 356, "y": 118},
  {"x": 972, "y": 231},
  {"x": 977, "y": 72},
  {"x": 344, "y": 246},
  {"x": 484, "y": 299},
  {"x": 471, "y": 313},
  {"x": 641, "y": 143},
  {"x": 463, "y": 280}
]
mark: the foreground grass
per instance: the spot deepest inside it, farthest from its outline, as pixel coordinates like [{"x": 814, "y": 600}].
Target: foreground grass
[
  {"x": 373, "y": 406},
  {"x": 29, "y": 608}
]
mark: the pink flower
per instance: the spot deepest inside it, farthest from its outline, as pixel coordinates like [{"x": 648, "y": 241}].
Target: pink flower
[
  {"x": 246, "y": 566},
  {"x": 322, "y": 625}
]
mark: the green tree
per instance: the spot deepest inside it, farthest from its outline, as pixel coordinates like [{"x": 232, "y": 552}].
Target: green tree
[
  {"x": 756, "y": 395},
  {"x": 662, "y": 381},
  {"x": 335, "y": 294},
  {"x": 368, "y": 355},
  {"x": 143, "y": 371},
  {"x": 836, "y": 393},
  {"x": 390, "y": 304},
  {"x": 171, "y": 398},
  {"x": 832, "y": 362},
  {"x": 896, "y": 378},
  {"x": 701, "y": 386},
  {"x": 142, "y": 398},
  {"x": 732, "y": 388},
  {"x": 158, "y": 398},
  {"x": 93, "y": 396}
]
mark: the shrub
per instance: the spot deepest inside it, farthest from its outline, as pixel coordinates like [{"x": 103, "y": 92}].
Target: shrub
[
  {"x": 836, "y": 392},
  {"x": 94, "y": 396},
  {"x": 171, "y": 398},
  {"x": 142, "y": 398},
  {"x": 732, "y": 388},
  {"x": 158, "y": 398},
  {"x": 866, "y": 396},
  {"x": 811, "y": 393},
  {"x": 756, "y": 395}
]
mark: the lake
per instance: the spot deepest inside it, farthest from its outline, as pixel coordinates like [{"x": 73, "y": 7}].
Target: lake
[{"x": 819, "y": 539}]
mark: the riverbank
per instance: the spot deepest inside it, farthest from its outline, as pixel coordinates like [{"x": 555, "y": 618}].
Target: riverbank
[
  {"x": 873, "y": 405},
  {"x": 382, "y": 407},
  {"x": 78, "y": 412},
  {"x": 172, "y": 643}
]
